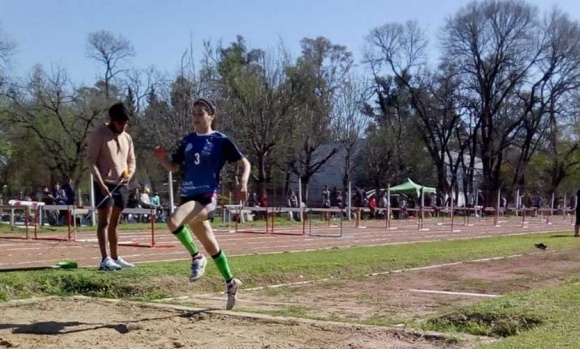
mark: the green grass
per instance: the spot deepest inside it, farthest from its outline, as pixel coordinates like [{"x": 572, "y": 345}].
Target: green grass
[
  {"x": 159, "y": 280},
  {"x": 542, "y": 318}
]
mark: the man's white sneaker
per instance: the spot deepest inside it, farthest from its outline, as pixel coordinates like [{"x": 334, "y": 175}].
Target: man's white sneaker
[
  {"x": 108, "y": 264},
  {"x": 123, "y": 263}
]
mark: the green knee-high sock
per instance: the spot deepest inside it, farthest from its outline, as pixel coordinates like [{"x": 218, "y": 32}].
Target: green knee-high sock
[
  {"x": 221, "y": 261},
  {"x": 184, "y": 236}
]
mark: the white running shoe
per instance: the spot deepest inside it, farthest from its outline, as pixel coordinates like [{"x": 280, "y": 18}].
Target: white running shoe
[
  {"x": 231, "y": 292},
  {"x": 109, "y": 264},
  {"x": 197, "y": 268},
  {"x": 123, "y": 263}
]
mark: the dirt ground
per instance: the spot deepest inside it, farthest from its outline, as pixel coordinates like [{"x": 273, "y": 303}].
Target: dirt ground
[
  {"x": 99, "y": 324},
  {"x": 387, "y": 299},
  {"x": 400, "y": 297}
]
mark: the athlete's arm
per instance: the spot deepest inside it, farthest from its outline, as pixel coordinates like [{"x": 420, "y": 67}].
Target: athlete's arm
[
  {"x": 161, "y": 156},
  {"x": 243, "y": 185}
]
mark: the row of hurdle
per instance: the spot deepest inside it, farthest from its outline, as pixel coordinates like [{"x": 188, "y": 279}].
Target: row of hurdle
[
  {"x": 451, "y": 218},
  {"x": 32, "y": 213}
]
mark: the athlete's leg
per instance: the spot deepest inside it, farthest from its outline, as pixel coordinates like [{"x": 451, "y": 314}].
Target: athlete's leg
[
  {"x": 204, "y": 233},
  {"x": 202, "y": 229},
  {"x": 177, "y": 225},
  {"x": 191, "y": 211}
]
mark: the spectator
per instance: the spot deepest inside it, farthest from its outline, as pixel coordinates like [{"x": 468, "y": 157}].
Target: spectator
[
  {"x": 293, "y": 203},
  {"x": 326, "y": 197},
  {"x": 326, "y": 201},
  {"x": 333, "y": 195},
  {"x": 253, "y": 199},
  {"x": 537, "y": 203},
  {"x": 372, "y": 205},
  {"x": 155, "y": 200},
  {"x": 156, "y": 203},
  {"x": 69, "y": 192},
  {"x": 48, "y": 199},
  {"x": 339, "y": 199}
]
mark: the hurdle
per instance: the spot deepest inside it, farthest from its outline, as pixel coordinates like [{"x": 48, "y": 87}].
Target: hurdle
[
  {"x": 239, "y": 211},
  {"x": 310, "y": 213},
  {"x": 12, "y": 221},
  {"x": 26, "y": 206},
  {"x": 152, "y": 243},
  {"x": 360, "y": 223},
  {"x": 303, "y": 218},
  {"x": 270, "y": 216},
  {"x": 68, "y": 210}
]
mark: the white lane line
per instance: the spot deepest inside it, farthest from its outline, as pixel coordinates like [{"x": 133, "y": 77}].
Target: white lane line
[{"x": 468, "y": 294}]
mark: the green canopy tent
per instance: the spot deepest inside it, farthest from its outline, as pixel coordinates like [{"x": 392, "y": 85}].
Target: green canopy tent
[{"x": 410, "y": 187}]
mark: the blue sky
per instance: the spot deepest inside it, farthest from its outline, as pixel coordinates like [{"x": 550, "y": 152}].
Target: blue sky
[{"x": 55, "y": 31}]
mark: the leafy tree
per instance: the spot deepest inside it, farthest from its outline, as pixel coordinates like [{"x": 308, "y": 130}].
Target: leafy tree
[
  {"x": 317, "y": 77},
  {"x": 55, "y": 119},
  {"x": 259, "y": 103}
]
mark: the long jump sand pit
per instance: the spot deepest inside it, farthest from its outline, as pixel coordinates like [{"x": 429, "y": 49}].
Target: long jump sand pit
[{"x": 97, "y": 324}]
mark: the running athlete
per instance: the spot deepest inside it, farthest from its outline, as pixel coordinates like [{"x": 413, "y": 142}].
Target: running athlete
[{"x": 201, "y": 156}]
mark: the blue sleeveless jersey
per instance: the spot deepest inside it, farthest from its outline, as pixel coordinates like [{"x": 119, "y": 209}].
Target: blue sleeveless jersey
[{"x": 201, "y": 158}]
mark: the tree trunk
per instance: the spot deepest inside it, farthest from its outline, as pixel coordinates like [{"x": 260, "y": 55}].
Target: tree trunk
[{"x": 262, "y": 175}]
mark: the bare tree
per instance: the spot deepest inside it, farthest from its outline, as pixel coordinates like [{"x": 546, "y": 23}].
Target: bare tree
[
  {"x": 401, "y": 48},
  {"x": 349, "y": 122},
  {"x": 140, "y": 82},
  {"x": 543, "y": 99},
  {"x": 7, "y": 47},
  {"x": 111, "y": 51},
  {"x": 494, "y": 44}
]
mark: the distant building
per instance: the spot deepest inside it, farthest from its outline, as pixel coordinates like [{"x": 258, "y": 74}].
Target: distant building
[
  {"x": 330, "y": 174},
  {"x": 477, "y": 175}
]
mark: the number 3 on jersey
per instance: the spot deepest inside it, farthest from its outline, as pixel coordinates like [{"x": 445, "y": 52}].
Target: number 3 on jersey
[{"x": 196, "y": 161}]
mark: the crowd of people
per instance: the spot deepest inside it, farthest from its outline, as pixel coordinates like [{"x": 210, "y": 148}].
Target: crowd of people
[{"x": 375, "y": 203}]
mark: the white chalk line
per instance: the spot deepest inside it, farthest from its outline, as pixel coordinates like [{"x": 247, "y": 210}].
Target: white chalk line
[{"x": 451, "y": 293}]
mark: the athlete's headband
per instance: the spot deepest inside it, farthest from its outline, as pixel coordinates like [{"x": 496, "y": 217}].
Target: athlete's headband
[{"x": 208, "y": 103}]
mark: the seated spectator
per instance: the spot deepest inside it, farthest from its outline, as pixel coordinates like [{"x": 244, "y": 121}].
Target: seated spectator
[
  {"x": 144, "y": 199},
  {"x": 155, "y": 200},
  {"x": 156, "y": 203},
  {"x": 48, "y": 199}
]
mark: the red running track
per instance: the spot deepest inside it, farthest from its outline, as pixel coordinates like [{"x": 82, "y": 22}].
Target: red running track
[{"x": 19, "y": 253}]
